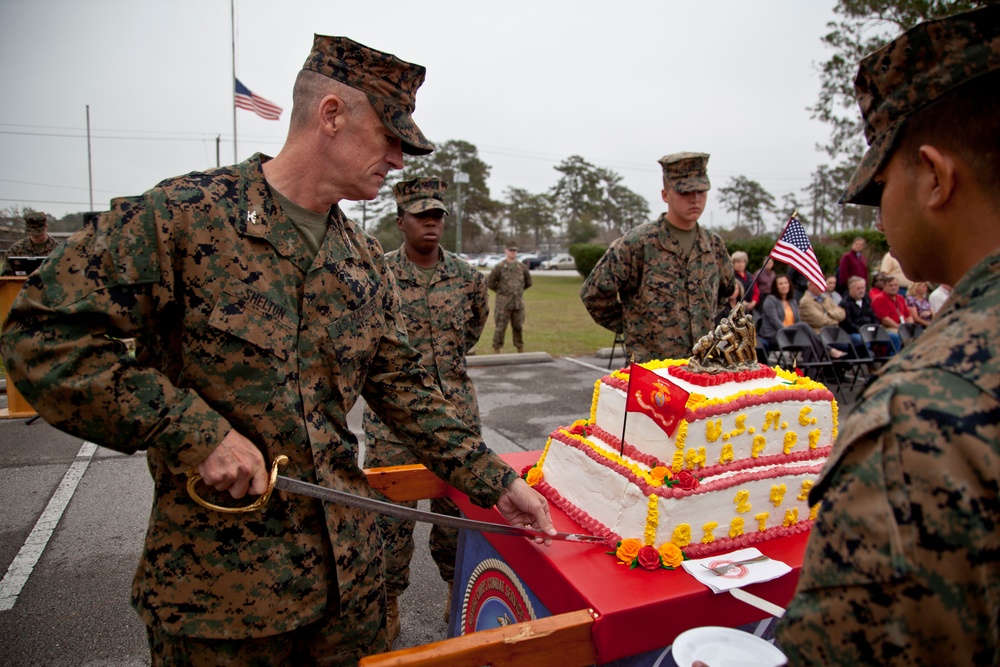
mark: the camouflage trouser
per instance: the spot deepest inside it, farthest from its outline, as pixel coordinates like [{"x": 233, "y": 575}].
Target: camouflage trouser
[
  {"x": 397, "y": 534},
  {"x": 516, "y": 319},
  {"x": 337, "y": 639}
]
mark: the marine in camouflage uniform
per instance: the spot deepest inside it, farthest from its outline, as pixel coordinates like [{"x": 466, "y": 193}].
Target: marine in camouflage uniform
[
  {"x": 662, "y": 283},
  {"x": 903, "y": 562},
  {"x": 509, "y": 279},
  {"x": 251, "y": 344},
  {"x": 36, "y": 244},
  {"x": 445, "y": 305}
]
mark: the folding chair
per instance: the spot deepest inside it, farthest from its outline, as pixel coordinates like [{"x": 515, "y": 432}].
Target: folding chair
[
  {"x": 834, "y": 336},
  {"x": 796, "y": 346},
  {"x": 879, "y": 343},
  {"x": 909, "y": 331}
]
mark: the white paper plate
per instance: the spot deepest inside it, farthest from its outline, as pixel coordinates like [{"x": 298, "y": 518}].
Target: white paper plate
[{"x": 725, "y": 647}]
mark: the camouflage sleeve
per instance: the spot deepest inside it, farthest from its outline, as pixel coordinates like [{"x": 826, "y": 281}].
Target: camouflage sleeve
[
  {"x": 409, "y": 402},
  {"x": 479, "y": 309},
  {"x": 727, "y": 276},
  {"x": 61, "y": 343},
  {"x": 494, "y": 280},
  {"x": 600, "y": 290},
  {"x": 527, "y": 275},
  {"x": 901, "y": 564}
]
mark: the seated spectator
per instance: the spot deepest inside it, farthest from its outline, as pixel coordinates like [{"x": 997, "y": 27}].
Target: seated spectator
[
  {"x": 920, "y": 307},
  {"x": 891, "y": 310},
  {"x": 765, "y": 281},
  {"x": 857, "y": 310},
  {"x": 831, "y": 289},
  {"x": 878, "y": 282},
  {"x": 938, "y": 297},
  {"x": 818, "y": 310},
  {"x": 799, "y": 282},
  {"x": 740, "y": 259},
  {"x": 891, "y": 268},
  {"x": 780, "y": 311}
]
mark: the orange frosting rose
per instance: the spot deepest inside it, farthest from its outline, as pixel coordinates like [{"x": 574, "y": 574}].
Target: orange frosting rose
[
  {"x": 534, "y": 476},
  {"x": 659, "y": 473},
  {"x": 671, "y": 554},
  {"x": 628, "y": 550}
]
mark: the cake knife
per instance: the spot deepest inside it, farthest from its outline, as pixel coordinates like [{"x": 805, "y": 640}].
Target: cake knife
[{"x": 380, "y": 506}]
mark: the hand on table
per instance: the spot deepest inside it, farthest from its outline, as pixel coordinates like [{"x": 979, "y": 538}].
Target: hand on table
[
  {"x": 236, "y": 465},
  {"x": 521, "y": 505}
]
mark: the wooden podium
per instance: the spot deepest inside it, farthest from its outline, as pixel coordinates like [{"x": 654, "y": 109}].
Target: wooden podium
[{"x": 17, "y": 407}]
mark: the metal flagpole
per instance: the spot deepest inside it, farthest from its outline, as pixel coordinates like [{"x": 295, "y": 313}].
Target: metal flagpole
[
  {"x": 753, "y": 282},
  {"x": 232, "y": 99},
  {"x": 628, "y": 392},
  {"x": 90, "y": 169}
]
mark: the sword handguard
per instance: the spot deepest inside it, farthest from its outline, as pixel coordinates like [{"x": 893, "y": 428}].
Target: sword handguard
[{"x": 194, "y": 478}]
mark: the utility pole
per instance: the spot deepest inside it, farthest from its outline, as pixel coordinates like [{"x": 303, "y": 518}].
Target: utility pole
[
  {"x": 460, "y": 177},
  {"x": 90, "y": 168}
]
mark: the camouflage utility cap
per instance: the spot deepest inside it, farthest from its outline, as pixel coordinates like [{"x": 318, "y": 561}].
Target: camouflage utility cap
[
  {"x": 915, "y": 69},
  {"x": 390, "y": 83},
  {"x": 420, "y": 194},
  {"x": 512, "y": 246},
  {"x": 35, "y": 220},
  {"x": 686, "y": 172}
]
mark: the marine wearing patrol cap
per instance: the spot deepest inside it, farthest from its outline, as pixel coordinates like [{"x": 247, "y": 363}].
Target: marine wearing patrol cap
[
  {"x": 420, "y": 194},
  {"x": 686, "y": 172},
  {"x": 911, "y": 72},
  {"x": 390, "y": 83},
  {"x": 35, "y": 220}
]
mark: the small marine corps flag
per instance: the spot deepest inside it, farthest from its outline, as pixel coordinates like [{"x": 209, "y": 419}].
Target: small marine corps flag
[{"x": 656, "y": 397}]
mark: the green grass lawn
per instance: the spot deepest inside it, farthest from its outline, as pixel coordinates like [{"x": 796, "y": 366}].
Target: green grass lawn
[{"x": 555, "y": 320}]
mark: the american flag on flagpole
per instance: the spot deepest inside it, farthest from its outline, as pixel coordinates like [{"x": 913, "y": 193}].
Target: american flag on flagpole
[
  {"x": 794, "y": 249},
  {"x": 253, "y": 102}
]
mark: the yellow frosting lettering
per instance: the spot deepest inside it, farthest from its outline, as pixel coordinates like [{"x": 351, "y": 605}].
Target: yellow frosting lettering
[
  {"x": 778, "y": 494},
  {"x": 695, "y": 458},
  {"x": 804, "y": 418},
  {"x": 736, "y": 527},
  {"x": 713, "y": 429},
  {"x": 791, "y": 517},
  {"x": 807, "y": 485},
  {"x": 759, "y": 443},
  {"x": 709, "y": 528},
  {"x": 652, "y": 519},
  {"x": 790, "y": 439},
  {"x": 784, "y": 425},
  {"x": 813, "y": 511},
  {"x": 762, "y": 521},
  {"x": 771, "y": 419},
  {"x": 682, "y": 434},
  {"x": 727, "y": 455},
  {"x": 742, "y": 501},
  {"x": 814, "y": 438},
  {"x": 682, "y": 535},
  {"x": 740, "y": 426}
]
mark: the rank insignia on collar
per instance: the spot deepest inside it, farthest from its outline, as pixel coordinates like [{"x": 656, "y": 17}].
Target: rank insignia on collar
[{"x": 252, "y": 217}]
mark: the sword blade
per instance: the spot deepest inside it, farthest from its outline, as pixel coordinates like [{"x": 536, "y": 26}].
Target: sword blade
[{"x": 402, "y": 512}]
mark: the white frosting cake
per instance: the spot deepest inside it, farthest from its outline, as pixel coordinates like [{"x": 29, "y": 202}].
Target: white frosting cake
[{"x": 737, "y": 470}]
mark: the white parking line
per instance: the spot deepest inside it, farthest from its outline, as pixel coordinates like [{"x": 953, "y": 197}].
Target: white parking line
[{"x": 24, "y": 563}]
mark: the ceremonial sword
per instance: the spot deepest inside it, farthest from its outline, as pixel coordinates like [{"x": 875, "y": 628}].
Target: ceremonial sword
[{"x": 324, "y": 493}]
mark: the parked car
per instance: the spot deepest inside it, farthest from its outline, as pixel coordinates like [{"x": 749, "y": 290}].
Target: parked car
[
  {"x": 533, "y": 260},
  {"x": 560, "y": 261},
  {"x": 493, "y": 261},
  {"x": 483, "y": 260}
]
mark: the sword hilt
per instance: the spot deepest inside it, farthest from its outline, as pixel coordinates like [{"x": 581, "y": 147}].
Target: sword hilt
[{"x": 194, "y": 478}]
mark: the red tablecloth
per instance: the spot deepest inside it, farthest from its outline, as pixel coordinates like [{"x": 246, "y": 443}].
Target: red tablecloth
[{"x": 637, "y": 611}]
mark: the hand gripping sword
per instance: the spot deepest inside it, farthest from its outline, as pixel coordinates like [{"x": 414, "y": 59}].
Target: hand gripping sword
[{"x": 277, "y": 481}]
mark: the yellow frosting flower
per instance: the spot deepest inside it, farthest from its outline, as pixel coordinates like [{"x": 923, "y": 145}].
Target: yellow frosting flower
[
  {"x": 534, "y": 476},
  {"x": 628, "y": 550},
  {"x": 660, "y": 473},
  {"x": 671, "y": 554}
]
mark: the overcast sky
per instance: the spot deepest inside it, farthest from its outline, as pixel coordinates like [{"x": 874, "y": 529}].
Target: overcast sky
[{"x": 529, "y": 83}]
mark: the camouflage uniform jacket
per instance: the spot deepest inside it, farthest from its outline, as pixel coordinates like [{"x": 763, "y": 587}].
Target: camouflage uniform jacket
[
  {"x": 28, "y": 248},
  {"x": 903, "y": 563},
  {"x": 663, "y": 303},
  {"x": 509, "y": 280},
  {"x": 444, "y": 320},
  {"x": 235, "y": 327}
]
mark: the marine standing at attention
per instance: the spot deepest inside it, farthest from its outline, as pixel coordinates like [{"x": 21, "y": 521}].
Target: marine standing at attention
[
  {"x": 509, "y": 278},
  {"x": 445, "y": 305},
  {"x": 662, "y": 283},
  {"x": 261, "y": 314},
  {"x": 902, "y": 565}
]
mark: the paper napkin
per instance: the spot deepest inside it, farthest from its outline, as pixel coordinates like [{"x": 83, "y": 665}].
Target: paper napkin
[{"x": 737, "y": 576}]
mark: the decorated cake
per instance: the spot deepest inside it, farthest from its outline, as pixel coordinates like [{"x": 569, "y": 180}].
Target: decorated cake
[{"x": 711, "y": 460}]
